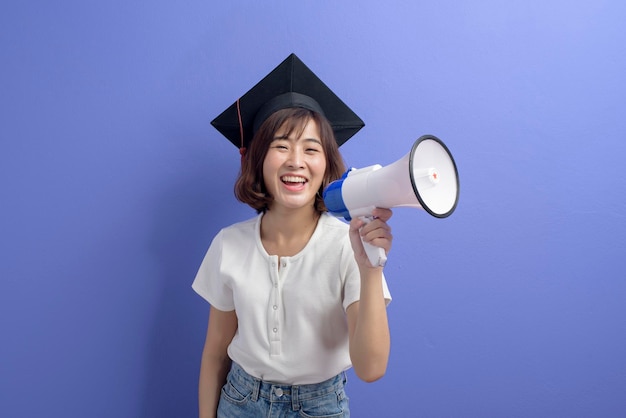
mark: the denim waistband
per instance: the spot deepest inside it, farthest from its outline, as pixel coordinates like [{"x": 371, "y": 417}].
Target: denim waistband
[{"x": 277, "y": 392}]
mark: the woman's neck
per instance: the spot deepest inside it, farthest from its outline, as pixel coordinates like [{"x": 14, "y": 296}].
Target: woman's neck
[{"x": 286, "y": 233}]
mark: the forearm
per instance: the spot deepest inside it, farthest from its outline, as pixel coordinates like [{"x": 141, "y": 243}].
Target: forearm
[
  {"x": 370, "y": 342},
  {"x": 213, "y": 372}
]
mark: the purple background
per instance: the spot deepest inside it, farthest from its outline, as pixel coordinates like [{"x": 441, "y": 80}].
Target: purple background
[{"x": 113, "y": 182}]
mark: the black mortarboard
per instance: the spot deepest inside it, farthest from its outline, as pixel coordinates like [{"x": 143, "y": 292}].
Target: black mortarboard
[{"x": 291, "y": 84}]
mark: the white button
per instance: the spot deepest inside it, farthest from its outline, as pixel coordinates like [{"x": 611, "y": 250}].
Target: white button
[
  {"x": 279, "y": 392},
  {"x": 275, "y": 307},
  {"x": 275, "y": 330},
  {"x": 284, "y": 264}
]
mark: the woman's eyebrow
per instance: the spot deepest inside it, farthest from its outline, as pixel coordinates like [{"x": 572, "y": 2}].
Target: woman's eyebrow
[
  {"x": 286, "y": 138},
  {"x": 317, "y": 141}
]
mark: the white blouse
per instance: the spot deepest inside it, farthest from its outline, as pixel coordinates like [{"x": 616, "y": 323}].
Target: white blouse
[{"x": 292, "y": 326}]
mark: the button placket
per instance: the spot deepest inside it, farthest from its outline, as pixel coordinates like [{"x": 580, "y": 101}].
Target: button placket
[{"x": 273, "y": 316}]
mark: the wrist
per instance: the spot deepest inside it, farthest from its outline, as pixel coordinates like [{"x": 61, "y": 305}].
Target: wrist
[{"x": 371, "y": 273}]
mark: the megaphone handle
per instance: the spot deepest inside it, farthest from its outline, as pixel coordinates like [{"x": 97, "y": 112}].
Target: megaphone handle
[{"x": 376, "y": 255}]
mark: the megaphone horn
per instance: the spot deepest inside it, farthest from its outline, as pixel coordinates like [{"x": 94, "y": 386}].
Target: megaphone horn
[{"x": 425, "y": 178}]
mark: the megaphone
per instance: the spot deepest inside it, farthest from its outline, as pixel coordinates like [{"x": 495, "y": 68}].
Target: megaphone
[{"x": 425, "y": 178}]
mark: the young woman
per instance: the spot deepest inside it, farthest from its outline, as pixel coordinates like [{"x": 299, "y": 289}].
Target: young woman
[{"x": 294, "y": 299}]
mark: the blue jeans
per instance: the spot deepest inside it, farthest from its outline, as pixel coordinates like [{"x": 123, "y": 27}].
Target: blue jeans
[{"x": 245, "y": 396}]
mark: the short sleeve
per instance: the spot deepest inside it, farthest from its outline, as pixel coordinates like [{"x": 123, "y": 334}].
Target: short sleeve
[{"x": 209, "y": 282}]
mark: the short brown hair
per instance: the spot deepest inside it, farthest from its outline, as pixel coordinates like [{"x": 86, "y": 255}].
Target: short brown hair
[{"x": 250, "y": 185}]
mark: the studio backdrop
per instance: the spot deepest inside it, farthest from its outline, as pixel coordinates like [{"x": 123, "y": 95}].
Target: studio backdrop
[{"x": 113, "y": 183}]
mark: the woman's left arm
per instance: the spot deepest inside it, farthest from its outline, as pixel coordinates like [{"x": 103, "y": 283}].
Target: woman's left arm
[{"x": 367, "y": 318}]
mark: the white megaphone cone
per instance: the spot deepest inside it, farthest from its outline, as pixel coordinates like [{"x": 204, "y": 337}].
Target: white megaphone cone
[{"x": 425, "y": 178}]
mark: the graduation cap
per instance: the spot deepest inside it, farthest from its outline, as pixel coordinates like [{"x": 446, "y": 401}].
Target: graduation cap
[{"x": 291, "y": 84}]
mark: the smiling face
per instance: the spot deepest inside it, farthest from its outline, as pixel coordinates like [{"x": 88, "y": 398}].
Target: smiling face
[
  {"x": 294, "y": 167},
  {"x": 251, "y": 187}
]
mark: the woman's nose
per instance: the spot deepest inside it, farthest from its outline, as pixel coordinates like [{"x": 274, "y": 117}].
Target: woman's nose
[{"x": 295, "y": 158}]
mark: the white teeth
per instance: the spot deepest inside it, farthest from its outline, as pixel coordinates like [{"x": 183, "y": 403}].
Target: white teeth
[{"x": 293, "y": 179}]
